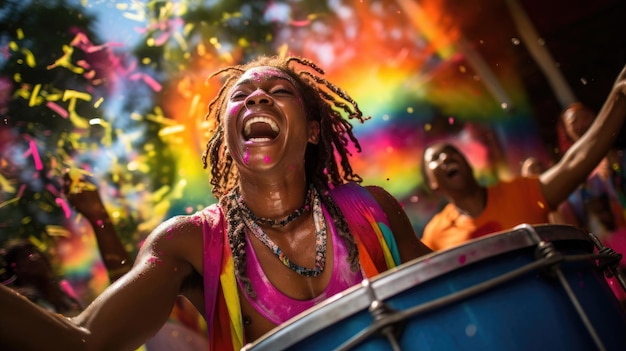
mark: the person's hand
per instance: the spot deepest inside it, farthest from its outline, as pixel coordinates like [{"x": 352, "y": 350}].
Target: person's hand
[{"x": 82, "y": 194}]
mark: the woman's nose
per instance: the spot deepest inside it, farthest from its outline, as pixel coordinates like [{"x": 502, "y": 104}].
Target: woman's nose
[{"x": 258, "y": 97}]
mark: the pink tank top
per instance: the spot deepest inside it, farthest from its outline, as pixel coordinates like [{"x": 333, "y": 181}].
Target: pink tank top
[{"x": 278, "y": 307}]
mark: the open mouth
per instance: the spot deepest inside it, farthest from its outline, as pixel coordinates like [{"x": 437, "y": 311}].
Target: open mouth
[
  {"x": 451, "y": 173},
  {"x": 259, "y": 129},
  {"x": 451, "y": 170}
]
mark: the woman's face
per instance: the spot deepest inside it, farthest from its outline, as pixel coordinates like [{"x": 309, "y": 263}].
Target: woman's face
[{"x": 265, "y": 121}]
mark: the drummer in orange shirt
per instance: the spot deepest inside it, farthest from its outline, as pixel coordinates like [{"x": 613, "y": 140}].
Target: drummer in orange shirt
[{"x": 474, "y": 210}]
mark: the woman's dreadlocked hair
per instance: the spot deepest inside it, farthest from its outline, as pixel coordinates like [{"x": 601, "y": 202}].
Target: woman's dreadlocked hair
[{"x": 325, "y": 103}]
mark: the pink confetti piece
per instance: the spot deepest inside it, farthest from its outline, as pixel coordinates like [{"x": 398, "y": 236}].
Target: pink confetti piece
[
  {"x": 20, "y": 192},
  {"x": 52, "y": 189},
  {"x": 35, "y": 154},
  {"x": 156, "y": 86},
  {"x": 301, "y": 23},
  {"x": 161, "y": 39},
  {"x": 58, "y": 109},
  {"x": 84, "y": 64},
  {"x": 66, "y": 208}
]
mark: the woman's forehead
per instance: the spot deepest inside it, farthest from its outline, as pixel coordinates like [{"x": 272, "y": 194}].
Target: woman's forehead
[
  {"x": 263, "y": 73},
  {"x": 438, "y": 148}
]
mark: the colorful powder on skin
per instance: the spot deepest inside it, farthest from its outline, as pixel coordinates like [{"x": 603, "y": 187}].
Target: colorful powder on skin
[
  {"x": 155, "y": 261},
  {"x": 246, "y": 156},
  {"x": 266, "y": 159}
]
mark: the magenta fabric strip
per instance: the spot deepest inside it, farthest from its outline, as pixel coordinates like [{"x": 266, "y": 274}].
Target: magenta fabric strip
[
  {"x": 213, "y": 237},
  {"x": 278, "y": 307}
]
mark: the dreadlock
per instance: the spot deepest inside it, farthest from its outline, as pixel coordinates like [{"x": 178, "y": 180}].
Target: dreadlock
[{"x": 325, "y": 103}]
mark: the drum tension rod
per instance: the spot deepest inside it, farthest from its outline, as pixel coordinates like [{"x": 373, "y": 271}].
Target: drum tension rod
[
  {"x": 383, "y": 324},
  {"x": 609, "y": 264},
  {"x": 547, "y": 250}
]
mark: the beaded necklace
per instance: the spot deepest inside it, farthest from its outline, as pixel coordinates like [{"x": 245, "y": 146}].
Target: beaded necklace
[
  {"x": 320, "y": 237},
  {"x": 274, "y": 223}
]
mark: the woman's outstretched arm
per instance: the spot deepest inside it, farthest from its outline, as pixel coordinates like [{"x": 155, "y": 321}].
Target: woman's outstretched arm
[{"x": 126, "y": 314}]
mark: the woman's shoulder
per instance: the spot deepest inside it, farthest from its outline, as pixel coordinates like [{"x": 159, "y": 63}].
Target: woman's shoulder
[
  {"x": 184, "y": 233},
  {"x": 189, "y": 224}
]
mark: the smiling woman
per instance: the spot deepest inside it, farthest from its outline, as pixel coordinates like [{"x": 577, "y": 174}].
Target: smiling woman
[{"x": 292, "y": 226}]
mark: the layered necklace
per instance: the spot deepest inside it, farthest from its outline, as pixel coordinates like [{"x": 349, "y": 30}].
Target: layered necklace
[{"x": 252, "y": 222}]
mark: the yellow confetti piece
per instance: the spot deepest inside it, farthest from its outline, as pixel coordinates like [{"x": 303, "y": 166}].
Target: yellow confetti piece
[
  {"x": 8, "y": 202},
  {"x": 98, "y": 102},
  {"x": 46, "y": 207},
  {"x": 33, "y": 96},
  {"x": 243, "y": 42},
  {"x": 77, "y": 120},
  {"x": 6, "y": 186},
  {"x": 283, "y": 50},
  {"x": 30, "y": 58},
  {"x": 54, "y": 96},
  {"x": 65, "y": 61},
  {"x": 57, "y": 231},
  {"x": 171, "y": 130},
  {"x": 73, "y": 94},
  {"x": 201, "y": 49},
  {"x": 188, "y": 28},
  {"x": 20, "y": 34},
  {"x": 38, "y": 243},
  {"x": 78, "y": 183},
  {"x": 161, "y": 192},
  {"x": 135, "y": 116},
  {"x": 195, "y": 103},
  {"x": 215, "y": 42},
  {"x": 181, "y": 41},
  {"x": 13, "y": 46}
]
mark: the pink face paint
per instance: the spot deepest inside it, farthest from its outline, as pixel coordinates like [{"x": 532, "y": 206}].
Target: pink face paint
[
  {"x": 266, "y": 159},
  {"x": 234, "y": 110},
  {"x": 246, "y": 156}
]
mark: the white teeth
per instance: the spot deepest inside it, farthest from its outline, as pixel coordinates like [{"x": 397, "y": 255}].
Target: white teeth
[
  {"x": 248, "y": 125},
  {"x": 258, "y": 140}
]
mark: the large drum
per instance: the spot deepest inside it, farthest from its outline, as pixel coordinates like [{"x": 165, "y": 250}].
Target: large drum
[{"x": 531, "y": 288}]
